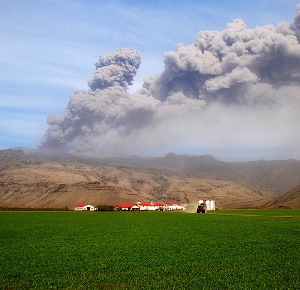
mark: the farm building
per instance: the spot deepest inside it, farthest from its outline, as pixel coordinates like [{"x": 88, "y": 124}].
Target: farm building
[
  {"x": 149, "y": 206},
  {"x": 173, "y": 206},
  {"x": 84, "y": 207}
]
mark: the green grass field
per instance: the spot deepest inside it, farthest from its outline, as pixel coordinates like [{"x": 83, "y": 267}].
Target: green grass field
[{"x": 150, "y": 250}]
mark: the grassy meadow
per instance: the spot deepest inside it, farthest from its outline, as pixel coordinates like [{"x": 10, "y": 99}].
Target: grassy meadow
[{"x": 150, "y": 250}]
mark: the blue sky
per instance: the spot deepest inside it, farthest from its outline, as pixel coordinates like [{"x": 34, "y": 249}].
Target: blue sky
[{"x": 49, "y": 47}]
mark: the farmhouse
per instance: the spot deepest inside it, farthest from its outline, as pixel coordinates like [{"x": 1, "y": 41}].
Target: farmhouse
[
  {"x": 149, "y": 206},
  {"x": 173, "y": 206},
  {"x": 84, "y": 207}
]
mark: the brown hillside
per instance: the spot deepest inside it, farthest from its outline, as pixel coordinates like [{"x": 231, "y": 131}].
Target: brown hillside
[
  {"x": 291, "y": 199},
  {"x": 54, "y": 184},
  {"x": 274, "y": 176},
  {"x": 39, "y": 179}
]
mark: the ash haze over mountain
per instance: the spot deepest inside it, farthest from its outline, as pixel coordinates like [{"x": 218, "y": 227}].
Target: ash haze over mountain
[{"x": 235, "y": 89}]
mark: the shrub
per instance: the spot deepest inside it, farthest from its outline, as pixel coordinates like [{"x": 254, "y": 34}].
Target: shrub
[{"x": 105, "y": 207}]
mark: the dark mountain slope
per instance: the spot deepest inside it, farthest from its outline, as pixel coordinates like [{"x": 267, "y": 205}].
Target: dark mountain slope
[{"x": 291, "y": 199}]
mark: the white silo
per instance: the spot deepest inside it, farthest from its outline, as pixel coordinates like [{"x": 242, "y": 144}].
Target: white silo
[
  {"x": 207, "y": 204},
  {"x": 213, "y": 205}
]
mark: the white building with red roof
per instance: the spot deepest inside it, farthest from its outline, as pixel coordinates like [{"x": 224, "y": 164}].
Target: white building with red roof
[
  {"x": 145, "y": 206},
  {"x": 84, "y": 207},
  {"x": 173, "y": 206}
]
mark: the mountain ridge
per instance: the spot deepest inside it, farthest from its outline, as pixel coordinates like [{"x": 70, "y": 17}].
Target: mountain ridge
[{"x": 32, "y": 177}]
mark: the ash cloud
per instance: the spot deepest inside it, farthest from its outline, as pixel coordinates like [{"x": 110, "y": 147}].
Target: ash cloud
[
  {"x": 233, "y": 88},
  {"x": 105, "y": 106}
]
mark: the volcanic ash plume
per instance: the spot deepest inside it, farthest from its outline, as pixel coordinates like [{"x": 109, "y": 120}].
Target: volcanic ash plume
[
  {"x": 239, "y": 81},
  {"x": 101, "y": 108}
]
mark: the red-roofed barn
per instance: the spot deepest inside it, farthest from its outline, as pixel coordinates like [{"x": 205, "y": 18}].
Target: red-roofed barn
[{"x": 84, "y": 207}]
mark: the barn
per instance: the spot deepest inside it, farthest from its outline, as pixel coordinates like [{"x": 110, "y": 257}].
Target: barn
[
  {"x": 143, "y": 206},
  {"x": 84, "y": 207}
]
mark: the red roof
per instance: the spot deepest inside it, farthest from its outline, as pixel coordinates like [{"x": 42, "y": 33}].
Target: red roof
[
  {"x": 82, "y": 205},
  {"x": 145, "y": 204}
]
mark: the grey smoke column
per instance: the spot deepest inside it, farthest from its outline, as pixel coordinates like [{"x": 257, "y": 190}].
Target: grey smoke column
[
  {"x": 97, "y": 109},
  {"x": 116, "y": 69}
]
